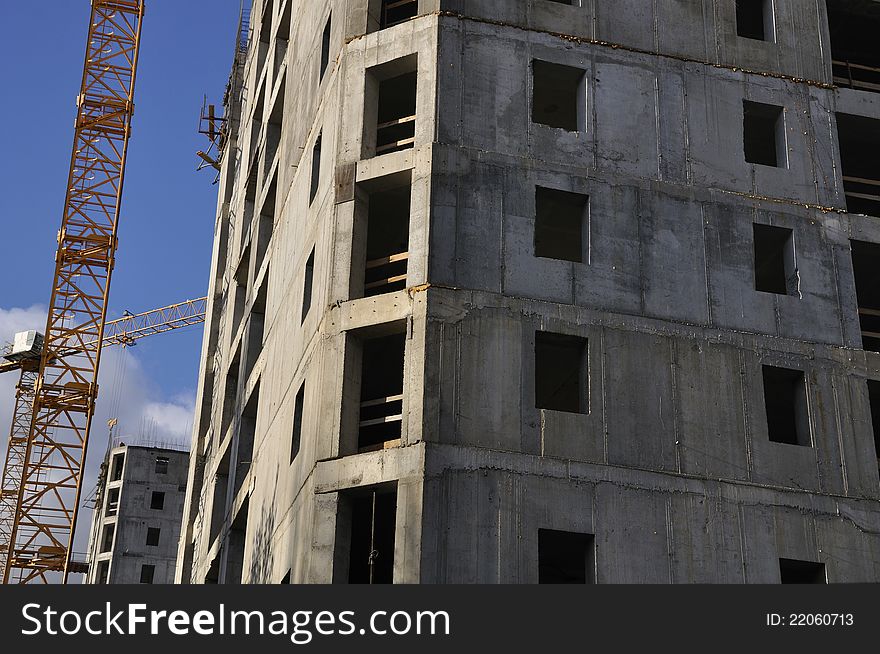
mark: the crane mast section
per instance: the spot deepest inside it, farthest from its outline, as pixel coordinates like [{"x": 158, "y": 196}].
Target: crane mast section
[{"x": 66, "y": 388}]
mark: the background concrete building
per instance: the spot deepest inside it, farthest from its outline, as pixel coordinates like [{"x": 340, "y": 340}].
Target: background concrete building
[
  {"x": 533, "y": 290},
  {"x": 136, "y": 524}
]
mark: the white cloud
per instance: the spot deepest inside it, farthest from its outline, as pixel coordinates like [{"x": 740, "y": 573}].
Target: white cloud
[{"x": 126, "y": 394}]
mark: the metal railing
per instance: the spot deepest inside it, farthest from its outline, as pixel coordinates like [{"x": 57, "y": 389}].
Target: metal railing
[{"x": 856, "y": 76}]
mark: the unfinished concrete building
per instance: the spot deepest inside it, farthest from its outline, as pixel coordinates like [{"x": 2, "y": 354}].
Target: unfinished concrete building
[
  {"x": 137, "y": 515},
  {"x": 544, "y": 291}
]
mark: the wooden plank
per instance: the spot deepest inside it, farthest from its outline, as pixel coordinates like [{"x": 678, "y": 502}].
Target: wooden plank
[
  {"x": 375, "y": 263},
  {"x": 381, "y": 421},
  {"x": 382, "y": 400},
  {"x": 385, "y": 282}
]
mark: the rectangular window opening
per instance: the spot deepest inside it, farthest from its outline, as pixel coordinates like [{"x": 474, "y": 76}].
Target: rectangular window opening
[
  {"x": 866, "y": 269},
  {"x": 755, "y": 20},
  {"x": 394, "y": 12},
  {"x": 103, "y": 572},
  {"x": 561, "y": 220},
  {"x": 785, "y": 400},
  {"x": 148, "y": 572},
  {"x": 266, "y": 224},
  {"x": 308, "y": 286},
  {"x": 157, "y": 501},
  {"x": 561, "y": 373},
  {"x": 247, "y": 430},
  {"x": 365, "y": 534},
  {"x": 775, "y": 261},
  {"x": 387, "y": 241},
  {"x": 565, "y": 557},
  {"x": 792, "y": 571},
  {"x": 381, "y": 397},
  {"x": 230, "y": 394},
  {"x": 218, "y": 503},
  {"x": 325, "y": 47},
  {"x": 241, "y": 284},
  {"x": 112, "y": 502},
  {"x": 234, "y": 571},
  {"x": 558, "y": 96},
  {"x": 853, "y": 26},
  {"x": 256, "y": 329},
  {"x": 764, "y": 140},
  {"x": 390, "y": 93},
  {"x": 298, "y": 408},
  {"x": 859, "y": 140},
  {"x": 153, "y": 534},
  {"x": 107, "y": 538},
  {"x": 117, "y": 466},
  {"x": 316, "y": 169},
  {"x": 162, "y": 465}
]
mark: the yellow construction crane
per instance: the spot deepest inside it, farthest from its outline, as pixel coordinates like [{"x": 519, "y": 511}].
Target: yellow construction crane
[
  {"x": 65, "y": 384},
  {"x": 24, "y": 355}
]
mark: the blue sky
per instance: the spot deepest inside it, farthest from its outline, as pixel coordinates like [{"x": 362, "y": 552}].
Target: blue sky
[{"x": 168, "y": 209}]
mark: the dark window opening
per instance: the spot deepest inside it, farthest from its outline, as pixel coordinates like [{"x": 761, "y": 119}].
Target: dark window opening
[
  {"x": 365, "y": 527},
  {"x": 153, "y": 536},
  {"x": 775, "y": 261},
  {"x": 755, "y": 20},
  {"x": 859, "y": 140},
  {"x": 157, "y": 501},
  {"x": 241, "y": 283},
  {"x": 764, "y": 134},
  {"x": 266, "y": 224},
  {"x": 256, "y": 329},
  {"x": 230, "y": 394},
  {"x": 316, "y": 169},
  {"x": 285, "y": 22},
  {"x": 103, "y": 572},
  {"x": 325, "y": 47},
  {"x": 162, "y": 465},
  {"x": 560, "y": 224},
  {"x": 213, "y": 574},
  {"x": 147, "y": 574},
  {"x": 107, "y": 538},
  {"x": 266, "y": 22},
  {"x": 866, "y": 269},
  {"x": 381, "y": 405},
  {"x": 571, "y": 3},
  {"x": 117, "y": 466},
  {"x": 561, "y": 373},
  {"x": 394, "y": 12},
  {"x": 387, "y": 248},
  {"x": 785, "y": 400},
  {"x": 112, "y": 502},
  {"x": 298, "y": 408},
  {"x": 874, "y": 398},
  {"x": 396, "y": 117},
  {"x": 308, "y": 283},
  {"x": 273, "y": 129},
  {"x": 246, "y": 433},
  {"x": 218, "y": 502},
  {"x": 792, "y": 571},
  {"x": 565, "y": 557},
  {"x": 853, "y": 26},
  {"x": 558, "y": 96},
  {"x": 234, "y": 571}
]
